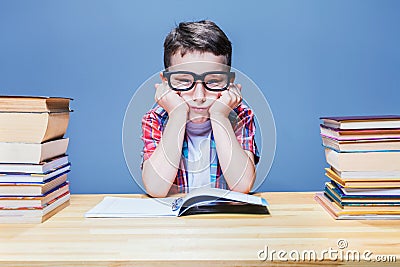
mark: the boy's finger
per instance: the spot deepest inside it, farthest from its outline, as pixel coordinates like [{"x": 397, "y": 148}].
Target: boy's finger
[{"x": 234, "y": 89}]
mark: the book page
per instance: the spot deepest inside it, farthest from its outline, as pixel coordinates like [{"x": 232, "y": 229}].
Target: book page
[
  {"x": 224, "y": 194},
  {"x": 119, "y": 207}
]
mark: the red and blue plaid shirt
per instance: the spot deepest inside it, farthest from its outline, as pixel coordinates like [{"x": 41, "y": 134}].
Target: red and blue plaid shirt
[{"x": 155, "y": 121}]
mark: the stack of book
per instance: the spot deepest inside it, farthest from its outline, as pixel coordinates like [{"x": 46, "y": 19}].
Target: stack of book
[
  {"x": 364, "y": 158},
  {"x": 33, "y": 160}
]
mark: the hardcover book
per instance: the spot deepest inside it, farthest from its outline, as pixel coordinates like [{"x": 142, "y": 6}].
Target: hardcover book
[
  {"x": 360, "y": 134},
  {"x": 32, "y": 127},
  {"x": 363, "y": 161},
  {"x": 365, "y": 175},
  {"x": 41, "y": 168},
  {"x": 32, "y": 189},
  {"x": 36, "y": 215},
  {"x": 361, "y": 145},
  {"x": 34, "y": 104},
  {"x": 32, "y": 177},
  {"x": 363, "y": 183},
  {"x": 363, "y": 122},
  {"x": 358, "y": 214},
  {"x": 15, "y": 202},
  {"x": 32, "y": 153}
]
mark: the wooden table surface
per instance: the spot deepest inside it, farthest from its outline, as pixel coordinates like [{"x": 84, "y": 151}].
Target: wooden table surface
[{"x": 297, "y": 225}]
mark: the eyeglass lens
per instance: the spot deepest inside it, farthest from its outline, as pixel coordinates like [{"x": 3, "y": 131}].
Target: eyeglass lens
[{"x": 212, "y": 81}]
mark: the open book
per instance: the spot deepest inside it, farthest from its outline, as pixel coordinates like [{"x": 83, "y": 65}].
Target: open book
[{"x": 199, "y": 201}]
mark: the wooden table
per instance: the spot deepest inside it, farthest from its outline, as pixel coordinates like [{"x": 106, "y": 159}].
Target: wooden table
[{"x": 297, "y": 223}]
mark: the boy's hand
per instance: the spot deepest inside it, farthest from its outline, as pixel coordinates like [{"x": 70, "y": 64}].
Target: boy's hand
[
  {"x": 168, "y": 99},
  {"x": 229, "y": 100}
]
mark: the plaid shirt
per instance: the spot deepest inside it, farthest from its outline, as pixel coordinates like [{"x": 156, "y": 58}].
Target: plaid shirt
[{"x": 155, "y": 121}]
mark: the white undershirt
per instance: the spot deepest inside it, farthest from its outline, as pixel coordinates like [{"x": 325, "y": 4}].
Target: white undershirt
[{"x": 198, "y": 137}]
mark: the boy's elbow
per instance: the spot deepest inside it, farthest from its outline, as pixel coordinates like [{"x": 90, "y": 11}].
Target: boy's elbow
[
  {"x": 244, "y": 190},
  {"x": 244, "y": 187},
  {"x": 153, "y": 192},
  {"x": 156, "y": 194}
]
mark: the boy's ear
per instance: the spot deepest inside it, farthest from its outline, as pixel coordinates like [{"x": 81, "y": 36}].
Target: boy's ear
[
  {"x": 162, "y": 77},
  {"x": 233, "y": 78}
]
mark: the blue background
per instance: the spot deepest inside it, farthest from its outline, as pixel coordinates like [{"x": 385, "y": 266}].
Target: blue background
[{"x": 310, "y": 58}]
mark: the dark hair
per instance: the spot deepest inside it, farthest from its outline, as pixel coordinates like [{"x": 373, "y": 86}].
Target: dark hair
[{"x": 202, "y": 36}]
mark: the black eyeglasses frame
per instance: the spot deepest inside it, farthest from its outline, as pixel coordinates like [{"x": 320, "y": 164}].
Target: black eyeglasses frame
[{"x": 167, "y": 74}]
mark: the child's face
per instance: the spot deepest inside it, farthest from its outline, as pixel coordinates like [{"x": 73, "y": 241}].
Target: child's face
[{"x": 199, "y": 99}]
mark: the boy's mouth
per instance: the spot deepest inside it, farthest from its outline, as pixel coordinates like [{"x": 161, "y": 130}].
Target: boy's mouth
[{"x": 199, "y": 109}]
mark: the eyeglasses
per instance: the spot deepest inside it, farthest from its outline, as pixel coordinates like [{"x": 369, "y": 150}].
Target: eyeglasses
[{"x": 186, "y": 80}]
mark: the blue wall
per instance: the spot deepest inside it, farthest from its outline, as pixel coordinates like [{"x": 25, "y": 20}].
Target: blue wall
[{"x": 310, "y": 58}]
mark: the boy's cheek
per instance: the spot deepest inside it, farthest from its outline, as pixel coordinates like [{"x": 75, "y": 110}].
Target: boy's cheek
[{"x": 186, "y": 98}]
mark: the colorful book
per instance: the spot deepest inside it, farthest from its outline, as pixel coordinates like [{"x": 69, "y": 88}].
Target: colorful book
[
  {"x": 363, "y": 122},
  {"x": 360, "y": 134},
  {"x": 343, "y": 199},
  {"x": 14, "y": 202},
  {"x": 32, "y": 189},
  {"x": 365, "y": 175},
  {"x": 33, "y": 177},
  {"x": 359, "y": 214},
  {"x": 370, "y": 191},
  {"x": 381, "y": 145},
  {"x": 36, "y": 215},
  {"x": 41, "y": 168},
  {"x": 362, "y": 183}
]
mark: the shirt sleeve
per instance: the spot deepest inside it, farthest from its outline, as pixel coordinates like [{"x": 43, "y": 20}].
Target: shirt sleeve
[
  {"x": 151, "y": 134},
  {"x": 245, "y": 131}
]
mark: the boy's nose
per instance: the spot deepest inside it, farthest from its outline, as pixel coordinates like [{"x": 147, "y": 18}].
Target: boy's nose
[{"x": 199, "y": 93}]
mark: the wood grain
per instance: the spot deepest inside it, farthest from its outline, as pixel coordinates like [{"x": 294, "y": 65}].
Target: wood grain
[{"x": 297, "y": 222}]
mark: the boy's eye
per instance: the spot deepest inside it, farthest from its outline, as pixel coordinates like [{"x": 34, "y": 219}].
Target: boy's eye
[
  {"x": 214, "y": 81},
  {"x": 184, "y": 81},
  {"x": 181, "y": 81}
]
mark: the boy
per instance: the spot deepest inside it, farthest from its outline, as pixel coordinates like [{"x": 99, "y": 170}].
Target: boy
[{"x": 199, "y": 134}]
